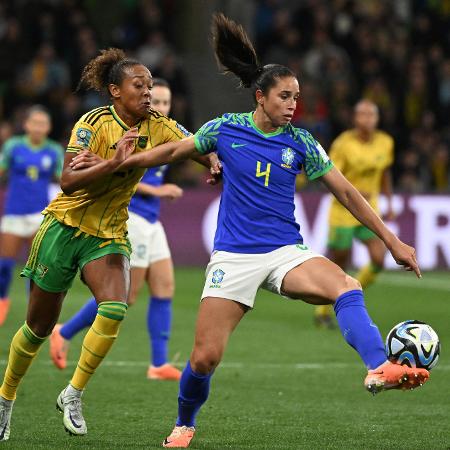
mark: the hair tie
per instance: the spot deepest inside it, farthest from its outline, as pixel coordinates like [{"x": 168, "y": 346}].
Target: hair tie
[{"x": 259, "y": 71}]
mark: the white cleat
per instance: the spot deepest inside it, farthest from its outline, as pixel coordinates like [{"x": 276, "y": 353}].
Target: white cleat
[
  {"x": 69, "y": 403},
  {"x": 5, "y": 417}
]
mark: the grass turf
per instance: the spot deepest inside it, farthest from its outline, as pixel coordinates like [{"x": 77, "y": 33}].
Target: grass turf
[{"x": 283, "y": 383}]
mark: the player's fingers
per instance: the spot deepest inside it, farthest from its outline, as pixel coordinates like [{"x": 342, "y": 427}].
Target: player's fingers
[
  {"x": 214, "y": 180},
  {"x": 416, "y": 269},
  {"x": 216, "y": 169},
  {"x": 80, "y": 165}
]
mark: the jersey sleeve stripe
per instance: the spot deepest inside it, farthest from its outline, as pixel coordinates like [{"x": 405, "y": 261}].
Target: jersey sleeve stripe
[
  {"x": 92, "y": 118},
  {"x": 93, "y": 113}
]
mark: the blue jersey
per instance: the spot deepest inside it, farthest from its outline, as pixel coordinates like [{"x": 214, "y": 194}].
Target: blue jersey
[
  {"x": 148, "y": 206},
  {"x": 30, "y": 172},
  {"x": 256, "y": 213}
]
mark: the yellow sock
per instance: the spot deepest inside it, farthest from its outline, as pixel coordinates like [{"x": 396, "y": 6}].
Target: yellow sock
[
  {"x": 323, "y": 310},
  {"x": 24, "y": 347},
  {"x": 367, "y": 275},
  {"x": 98, "y": 340}
]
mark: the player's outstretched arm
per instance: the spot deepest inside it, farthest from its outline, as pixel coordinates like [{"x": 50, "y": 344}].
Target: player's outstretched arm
[
  {"x": 351, "y": 199},
  {"x": 93, "y": 166},
  {"x": 157, "y": 156},
  {"x": 162, "y": 154}
]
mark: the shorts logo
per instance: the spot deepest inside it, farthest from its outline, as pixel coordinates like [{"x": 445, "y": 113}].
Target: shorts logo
[
  {"x": 217, "y": 278},
  {"x": 141, "y": 251},
  {"x": 83, "y": 137},
  {"x": 41, "y": 270},
  {"x": 142, "y": 141},
  {"x": 302, "y": 247},
  {"x": 287, "y": 155}
]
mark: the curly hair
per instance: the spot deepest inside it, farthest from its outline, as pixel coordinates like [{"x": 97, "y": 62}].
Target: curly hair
[{"x": 108, "y": 67}]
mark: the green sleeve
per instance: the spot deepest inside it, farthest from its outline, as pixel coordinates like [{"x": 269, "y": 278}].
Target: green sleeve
[
  {"x": 59, "y": 152},
  {"x": 317, "y": 163},
  {"x": 206, "y": 137},
  {"x": 5, "y": 155}
]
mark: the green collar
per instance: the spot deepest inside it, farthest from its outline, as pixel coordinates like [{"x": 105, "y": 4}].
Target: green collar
[
  {"x": 273, "y": 133},
  {"x": 35, "y": 148}
]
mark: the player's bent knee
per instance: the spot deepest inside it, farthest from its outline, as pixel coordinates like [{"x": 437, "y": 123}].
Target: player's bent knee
[
  {"x": 204, "y": 362},
  {"x": 164, "y": 289},
  {"x": 349, "y": 284}
]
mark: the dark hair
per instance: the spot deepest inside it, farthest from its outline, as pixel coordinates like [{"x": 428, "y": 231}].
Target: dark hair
[
  {"x": 235, "y": 52},
  {"x": 107, "y": 68},
  {"x": 37, "y": 109},
  {"x": 161, "y": 82}
]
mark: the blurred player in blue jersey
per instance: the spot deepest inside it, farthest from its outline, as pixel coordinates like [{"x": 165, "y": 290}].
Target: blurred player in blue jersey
[
  {"x": 258, "y": 243},
  {"x": 30, "y": 162},
  {"x": 150, "y": 261}
]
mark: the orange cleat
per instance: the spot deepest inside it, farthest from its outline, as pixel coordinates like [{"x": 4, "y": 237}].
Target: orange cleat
[
  {"x": 394, "y": 376},
  {"x": 58, "y": 348},
  {"x": 4, "y": 309},
  {"x": 180, "y": 437},
  {"x": 164, "y": 372}
]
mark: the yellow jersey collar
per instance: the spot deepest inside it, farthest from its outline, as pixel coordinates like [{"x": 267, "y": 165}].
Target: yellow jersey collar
[{"x": 120, "y": 121}]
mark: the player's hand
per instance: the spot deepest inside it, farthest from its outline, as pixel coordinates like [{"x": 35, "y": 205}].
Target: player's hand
[
  {"x": 170, "y": 191},
  {"x": 85, "y": 159},
  {"x": 215, "y": 170},
  {"x": 405, "y": 255},
  {"x": 125, "y": 146}
]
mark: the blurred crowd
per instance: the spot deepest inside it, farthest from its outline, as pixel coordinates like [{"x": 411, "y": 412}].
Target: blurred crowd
[{"x": 393, "y": 52}]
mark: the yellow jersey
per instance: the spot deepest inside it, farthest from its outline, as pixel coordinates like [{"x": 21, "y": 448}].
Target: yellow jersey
[
  {"x": 363, "y": 164},
  {"x": 101, "y": 209}
]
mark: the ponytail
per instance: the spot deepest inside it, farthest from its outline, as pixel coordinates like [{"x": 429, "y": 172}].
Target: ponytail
[{"x": 235, "y": 52}]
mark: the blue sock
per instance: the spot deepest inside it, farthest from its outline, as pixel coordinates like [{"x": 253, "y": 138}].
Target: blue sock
[
  {"x": 159, "y": 320},
  {"x": 358, "y": 329},
  {"x": 82, "y": 319},
  {"x": 6, "y": 272},
  {"x": 194, "y": 390}
]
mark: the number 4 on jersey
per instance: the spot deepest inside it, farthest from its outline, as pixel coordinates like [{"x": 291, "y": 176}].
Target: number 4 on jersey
[{"x": 266, "y": 173}]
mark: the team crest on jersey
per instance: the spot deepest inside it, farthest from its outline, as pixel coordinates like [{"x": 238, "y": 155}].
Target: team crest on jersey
[
  {"x": 142, "y": 141},
  {"x": 217, "y": 278},
  {"x": 287, "y": 155},
  {"x": 83, "y": 137},
  {"x": 46, "y": 162}
]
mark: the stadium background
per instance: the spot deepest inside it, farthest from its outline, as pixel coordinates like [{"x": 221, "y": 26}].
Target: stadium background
[
  {"x": 277, "y": 387},
  {"x": 395, "y": 53}
]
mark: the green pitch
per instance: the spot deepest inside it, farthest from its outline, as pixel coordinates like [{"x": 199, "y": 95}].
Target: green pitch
[{"x": 283, "y": 384}]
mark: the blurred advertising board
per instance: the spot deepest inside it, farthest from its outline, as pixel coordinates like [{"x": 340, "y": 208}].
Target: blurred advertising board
[{"x": 422, "y": 221}]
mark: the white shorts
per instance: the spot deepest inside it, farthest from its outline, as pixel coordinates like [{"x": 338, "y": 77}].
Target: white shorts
[
  {"x": 148, "y": 241},
  {"x": 238, "y": 276},
  {"x": 24, "y": 225}
]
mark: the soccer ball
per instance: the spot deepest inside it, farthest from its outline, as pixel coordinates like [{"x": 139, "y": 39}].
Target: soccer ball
[{"x": 414, "y": 344}]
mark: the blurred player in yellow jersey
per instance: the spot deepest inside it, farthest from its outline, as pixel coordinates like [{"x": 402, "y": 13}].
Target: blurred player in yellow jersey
[
  {"x": 364, "y": 155},
  {"x": 84, "y": 229}
]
